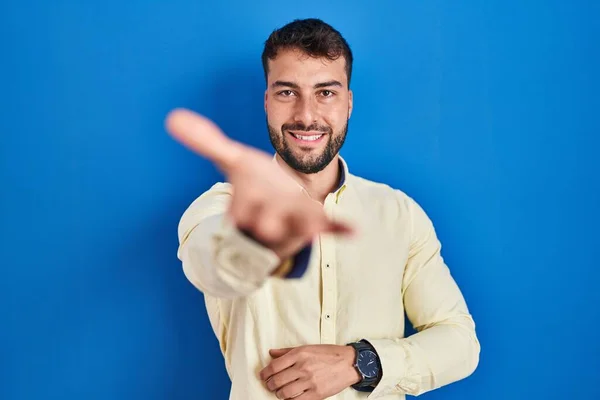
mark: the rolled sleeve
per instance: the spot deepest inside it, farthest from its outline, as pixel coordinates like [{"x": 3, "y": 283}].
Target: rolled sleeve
[{"x": 221, "y": 261}]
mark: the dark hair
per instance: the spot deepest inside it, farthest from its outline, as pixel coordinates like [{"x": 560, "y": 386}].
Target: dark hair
[{"x": 313, "y": 37}]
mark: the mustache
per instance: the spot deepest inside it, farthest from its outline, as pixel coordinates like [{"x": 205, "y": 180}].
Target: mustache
[{"x": 299, "y": 126}]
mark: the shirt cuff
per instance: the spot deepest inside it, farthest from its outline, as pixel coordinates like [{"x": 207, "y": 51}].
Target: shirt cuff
[
  {"x": 241, "y": 261},
  {"x": 394, "y": 367}
]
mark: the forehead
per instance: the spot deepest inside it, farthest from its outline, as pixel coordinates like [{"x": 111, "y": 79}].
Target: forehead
[{"x": 296, "y": 66}]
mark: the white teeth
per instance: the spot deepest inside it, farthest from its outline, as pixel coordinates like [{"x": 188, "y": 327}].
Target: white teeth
[{"x": 309, "y": 138}]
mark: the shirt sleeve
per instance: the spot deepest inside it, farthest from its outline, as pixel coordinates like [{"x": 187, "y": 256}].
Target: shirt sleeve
[
  {"x": 445, "y": 348},
  {"x": 219, "y": 259}
]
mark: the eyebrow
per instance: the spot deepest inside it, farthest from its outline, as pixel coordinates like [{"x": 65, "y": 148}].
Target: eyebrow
[{"x": 296, "y": 86}]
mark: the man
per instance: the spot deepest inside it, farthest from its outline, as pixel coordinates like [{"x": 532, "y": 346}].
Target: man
[{"x": 308, "y": 270}]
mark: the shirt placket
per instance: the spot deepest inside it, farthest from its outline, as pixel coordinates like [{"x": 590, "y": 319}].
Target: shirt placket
[{"x": 328, "y": 279}]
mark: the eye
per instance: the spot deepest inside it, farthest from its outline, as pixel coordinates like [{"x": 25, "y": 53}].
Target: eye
[
  {"x": 286, "y": 93},
  {"x": 327, "y": 93}
]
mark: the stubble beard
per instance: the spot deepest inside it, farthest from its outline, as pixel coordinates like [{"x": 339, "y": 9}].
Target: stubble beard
[{"x": 309, "y": 164}]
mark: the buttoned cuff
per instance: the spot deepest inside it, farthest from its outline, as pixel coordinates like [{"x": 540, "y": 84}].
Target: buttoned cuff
[
  {"x": 241, "y": 261},
  {"x": 395, "y": 367}
]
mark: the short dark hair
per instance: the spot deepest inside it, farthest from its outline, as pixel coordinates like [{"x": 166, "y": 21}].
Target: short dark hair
[{"x": 311, "y": 36}]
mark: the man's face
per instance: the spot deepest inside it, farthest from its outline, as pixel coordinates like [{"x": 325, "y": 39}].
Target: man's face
[{"x": 308, "y": 105}]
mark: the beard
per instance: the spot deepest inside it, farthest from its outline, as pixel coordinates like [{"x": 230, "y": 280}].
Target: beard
[{"x": 309, "y": 164}]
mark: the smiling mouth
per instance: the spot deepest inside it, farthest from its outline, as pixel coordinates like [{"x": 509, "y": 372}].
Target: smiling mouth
[{"x": 308, "y": 138}]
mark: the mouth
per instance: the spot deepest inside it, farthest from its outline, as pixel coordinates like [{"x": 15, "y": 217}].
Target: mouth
[{"x": 307, "y": 137}]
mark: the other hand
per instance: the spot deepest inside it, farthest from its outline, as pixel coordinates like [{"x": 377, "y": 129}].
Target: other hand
[{"x": 313, "y": 372}]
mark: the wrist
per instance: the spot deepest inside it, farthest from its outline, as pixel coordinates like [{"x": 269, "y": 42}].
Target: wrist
[
  {"x": 367, "y": 364},
  {"x": 349, "y": 355},
  {"x": 295, "y": 265},
  {"x": 283, "y": 269}
]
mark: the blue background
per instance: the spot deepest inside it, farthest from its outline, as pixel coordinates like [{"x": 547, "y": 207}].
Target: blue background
[{"x": 485, "y": 112}]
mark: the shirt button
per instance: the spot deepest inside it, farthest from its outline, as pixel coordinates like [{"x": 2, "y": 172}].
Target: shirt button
[
  {"x": 327, "y": 266},
  {"x": 327, "y": 316}
]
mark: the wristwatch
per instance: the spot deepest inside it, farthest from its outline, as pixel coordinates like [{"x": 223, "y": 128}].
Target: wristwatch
[{"x": 367, "y": 364}]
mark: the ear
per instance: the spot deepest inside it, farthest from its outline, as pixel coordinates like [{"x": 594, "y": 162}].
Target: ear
[
  {"x": 350, "y": 103},
  {"x": 266, "y": 96}
]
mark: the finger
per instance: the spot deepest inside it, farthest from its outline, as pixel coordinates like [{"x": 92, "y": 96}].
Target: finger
[
  {"x": 285, "y": 377},
  {"x": 203, "y": 137},
  {"x": 277, "y": 365},
  {"x": 339, "y": 228},
  {"x": 307, "y": 394},
  {"x": 275, "y": 353},
  {"x": 294, "y": 390},
  {"x": 314, "y": 222},
  {"x": 324, "y": 224}
]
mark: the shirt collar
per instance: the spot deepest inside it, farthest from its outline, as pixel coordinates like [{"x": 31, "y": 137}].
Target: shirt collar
[{"x": 343, "y": 176}]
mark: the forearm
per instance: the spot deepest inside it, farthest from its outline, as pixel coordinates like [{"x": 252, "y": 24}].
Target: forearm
[{"x": 439, "y": 354}]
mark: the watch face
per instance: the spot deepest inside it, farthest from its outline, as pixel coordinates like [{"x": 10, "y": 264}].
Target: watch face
[{"x": 367, "y": 363}]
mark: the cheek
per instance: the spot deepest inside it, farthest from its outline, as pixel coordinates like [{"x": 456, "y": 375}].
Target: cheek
[
  {"x": 337, "y": 117},
  {"x": 277, "y": 114}
]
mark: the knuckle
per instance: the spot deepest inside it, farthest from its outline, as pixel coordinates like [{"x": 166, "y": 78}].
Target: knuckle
[
  {"x": 276, "y": 381},
  {"x": 265, "y": 373},
  {"x": 303, "y": 355},
  {"x": 305, "y": 368},
  {"x": 297, "y": 351}
]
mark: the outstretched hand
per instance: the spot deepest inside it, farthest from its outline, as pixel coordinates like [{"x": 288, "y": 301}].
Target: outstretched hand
[{"x": 266, "y": 203}]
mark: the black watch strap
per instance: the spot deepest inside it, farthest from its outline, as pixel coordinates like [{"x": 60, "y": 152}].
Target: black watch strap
[
  {"x": 362, "y": 345},
  {"x": 366, "y": 384}
]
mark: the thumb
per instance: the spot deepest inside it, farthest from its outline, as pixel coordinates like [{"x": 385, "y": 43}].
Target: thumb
[
  {"x": 204, "y": 137},
  {"x": 336, "y": 227},
  {"x": 275, "y": 353}
]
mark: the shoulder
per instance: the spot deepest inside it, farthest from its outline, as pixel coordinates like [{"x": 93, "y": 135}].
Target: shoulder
[
  {"x": 390, "y": 201},
  {"x": 215, "y": 197},
  {"x": 217, "y": 192},
  {"x": 213, "y": 201},
  {"x": 380, "y": 192}
]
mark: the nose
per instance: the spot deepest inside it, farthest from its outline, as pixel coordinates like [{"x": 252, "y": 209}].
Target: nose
[{"x": 306, "y": 111}]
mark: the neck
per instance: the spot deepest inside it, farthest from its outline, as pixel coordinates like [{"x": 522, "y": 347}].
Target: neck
[{"x": 318, "y": 185}]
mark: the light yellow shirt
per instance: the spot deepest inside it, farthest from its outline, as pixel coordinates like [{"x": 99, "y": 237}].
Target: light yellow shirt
[{"x": 354, "y": 288}]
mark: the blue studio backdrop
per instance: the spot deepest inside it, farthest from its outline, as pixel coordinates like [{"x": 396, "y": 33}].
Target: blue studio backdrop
[{"x": 484, "y": 112}]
